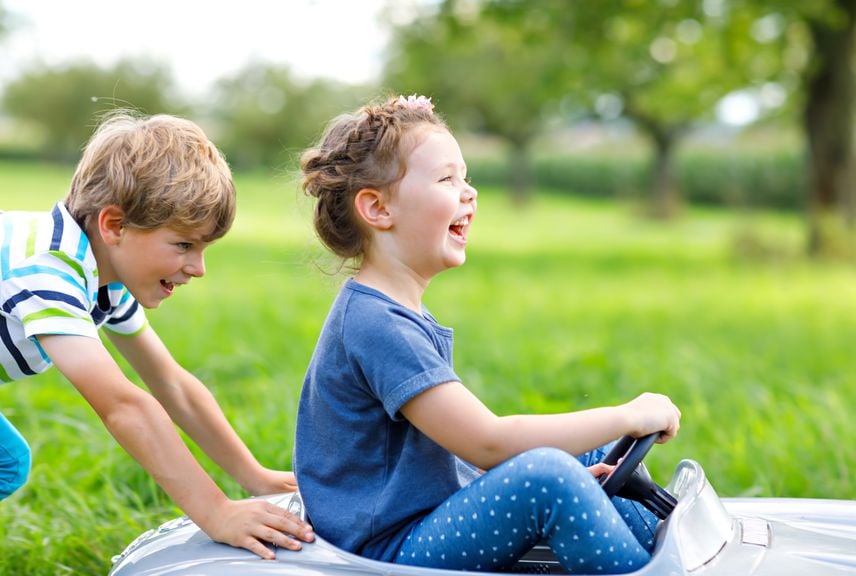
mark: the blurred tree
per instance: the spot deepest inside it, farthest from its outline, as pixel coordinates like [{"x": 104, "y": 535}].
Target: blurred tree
[
  {"x": 506, "y": 67},
  {"x": 815, "y": 48},
  {"x": 697, "y": 52},
  {"x": 267, "y": 116},
  {"x": 664, "y": 65},
  {"x": 489, "y": 75},
  {"x": 64, "y": 103},
  {"x": 4, "y": 21},
  {"x": 828, "y": 117}
]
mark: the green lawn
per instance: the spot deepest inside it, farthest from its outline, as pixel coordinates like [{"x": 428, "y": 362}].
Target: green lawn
[{"x": 566, "y": 304}]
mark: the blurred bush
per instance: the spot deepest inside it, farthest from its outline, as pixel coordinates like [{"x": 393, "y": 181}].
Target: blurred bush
[{"x": 766, "y": 179}]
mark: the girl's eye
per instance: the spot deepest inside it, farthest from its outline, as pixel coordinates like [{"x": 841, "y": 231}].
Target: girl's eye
[
  {"x": 468, "y": 179},
  {"x": 446, "y": 179}
]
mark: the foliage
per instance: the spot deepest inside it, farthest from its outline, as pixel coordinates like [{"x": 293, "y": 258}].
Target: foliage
[
  {"x": 64, "y": 102},
  {"x": 570, "y": 304},
  {"x": 670, "y": 67},
  {"x": 4, "y": 24},
  {"x": 505, "y": 67},
  {"x": 267, "y": 116},
  {"x": 435, "y": 53},
  {"x": 484, "y": 75}
]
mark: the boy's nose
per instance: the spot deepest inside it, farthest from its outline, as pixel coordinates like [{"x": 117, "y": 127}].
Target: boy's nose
[{"x": 195, "y": 266}]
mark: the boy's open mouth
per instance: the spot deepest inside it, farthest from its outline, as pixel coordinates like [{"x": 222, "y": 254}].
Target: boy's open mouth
[{"x": 168, "y": 286}]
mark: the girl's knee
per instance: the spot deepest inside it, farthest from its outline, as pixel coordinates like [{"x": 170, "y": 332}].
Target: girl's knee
[
  {"x": 552, "y": 466},
  {"x": 549, "y": 459},
  {"x": 546, "y": 455},
  {"x": 14, "y": 468}
]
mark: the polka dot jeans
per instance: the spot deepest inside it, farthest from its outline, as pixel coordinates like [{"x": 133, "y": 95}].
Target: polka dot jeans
[{"x": 542, "y": 494}]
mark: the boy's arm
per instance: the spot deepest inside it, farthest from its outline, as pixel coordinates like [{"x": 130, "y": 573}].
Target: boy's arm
[
  {"x": 142, "y": 427},
  {"x": 192, "y": 406}
]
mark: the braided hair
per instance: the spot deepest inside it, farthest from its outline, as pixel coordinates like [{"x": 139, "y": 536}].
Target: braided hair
[{"x": 363, "y": 149}]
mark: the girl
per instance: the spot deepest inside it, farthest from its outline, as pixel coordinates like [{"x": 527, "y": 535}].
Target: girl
[{"x": 383, "y": 415}]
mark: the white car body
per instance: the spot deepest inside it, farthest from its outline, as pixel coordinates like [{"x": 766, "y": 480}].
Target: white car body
[{"x": 703, "y": 536}]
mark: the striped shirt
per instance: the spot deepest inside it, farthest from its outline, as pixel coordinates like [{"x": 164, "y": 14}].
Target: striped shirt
[{"x": 49, "y": 285}]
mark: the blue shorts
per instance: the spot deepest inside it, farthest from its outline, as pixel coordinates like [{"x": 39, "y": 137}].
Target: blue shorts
[{"x": 14, "y": 458}]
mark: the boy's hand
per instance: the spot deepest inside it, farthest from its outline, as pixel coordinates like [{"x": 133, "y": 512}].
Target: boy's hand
[
  {"x": 252, "y": 523},
  {"x": 271, "y": 482}
]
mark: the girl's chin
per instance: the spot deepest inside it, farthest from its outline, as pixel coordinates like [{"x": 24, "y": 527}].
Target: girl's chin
[{"x": 455, "y": 262}]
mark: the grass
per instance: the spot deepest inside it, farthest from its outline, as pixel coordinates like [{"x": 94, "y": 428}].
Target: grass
[{"x": 566, "y": 304}]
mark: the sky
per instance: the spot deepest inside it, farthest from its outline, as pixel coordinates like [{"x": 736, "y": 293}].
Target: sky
[
  {"x": 200, "y": 40},
  {"x": 203, "y": 40}
]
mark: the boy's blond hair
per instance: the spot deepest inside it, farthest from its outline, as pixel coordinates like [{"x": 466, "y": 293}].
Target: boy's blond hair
[{"x": 160, "y": 170}]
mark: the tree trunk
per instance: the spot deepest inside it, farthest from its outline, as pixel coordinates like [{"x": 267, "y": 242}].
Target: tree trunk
[
  {"x": 665, "y": 202},
  {"x": 520, "y": 175},
  {"x": 666, "y": 199},
  {"x": 829, "y": 123}
]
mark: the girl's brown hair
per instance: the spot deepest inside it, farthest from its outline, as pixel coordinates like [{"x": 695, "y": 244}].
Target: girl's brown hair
[{"x": 364, "y": 149}]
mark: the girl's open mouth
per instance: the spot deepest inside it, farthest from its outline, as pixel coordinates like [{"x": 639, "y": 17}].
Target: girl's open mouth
[{"x": 459, "y": 227}]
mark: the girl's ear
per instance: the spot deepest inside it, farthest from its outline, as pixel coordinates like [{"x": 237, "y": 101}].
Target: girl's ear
[
  {"x": 110, "y": 224},
  {"x": 371, "y": 207}
]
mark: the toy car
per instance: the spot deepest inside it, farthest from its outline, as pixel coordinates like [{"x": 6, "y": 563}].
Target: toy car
[{"x": 701, "y": 534}]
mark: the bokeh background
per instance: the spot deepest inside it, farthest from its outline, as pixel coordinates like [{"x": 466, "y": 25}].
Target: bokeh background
[{"x": 666, "y": 203}]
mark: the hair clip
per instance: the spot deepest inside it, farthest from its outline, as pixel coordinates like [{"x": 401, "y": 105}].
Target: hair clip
[{"x": 414, "y": 102}]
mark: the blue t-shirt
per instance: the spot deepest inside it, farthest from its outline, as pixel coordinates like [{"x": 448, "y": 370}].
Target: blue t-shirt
[{"x": 366, "y": 474}]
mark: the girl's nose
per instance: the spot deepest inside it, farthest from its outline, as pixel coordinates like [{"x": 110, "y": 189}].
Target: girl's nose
[{"x": 469, "y": 194}]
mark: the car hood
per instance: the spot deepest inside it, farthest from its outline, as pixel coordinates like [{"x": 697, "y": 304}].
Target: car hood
[{"x": 792, "y": 536}]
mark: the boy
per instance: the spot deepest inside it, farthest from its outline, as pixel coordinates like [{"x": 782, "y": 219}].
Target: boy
[{"x": 148, "y": 196}]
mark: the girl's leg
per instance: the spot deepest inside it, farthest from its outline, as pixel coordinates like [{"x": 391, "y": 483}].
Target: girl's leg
[
  {"x": 540, "y": 494},
  {"x": 14, "y": 458},
  {"x": 642, "y": 522}
]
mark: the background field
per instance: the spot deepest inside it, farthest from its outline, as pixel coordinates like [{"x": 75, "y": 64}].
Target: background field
[{"x": 566, "y": 304}]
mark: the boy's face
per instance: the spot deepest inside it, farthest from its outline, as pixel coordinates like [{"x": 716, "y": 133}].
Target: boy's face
[{"x": 152, "y": 263}]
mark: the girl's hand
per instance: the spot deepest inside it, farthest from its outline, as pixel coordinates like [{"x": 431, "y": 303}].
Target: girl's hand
[
  {"x": 648, "y": 413},
  {"x": 600, "y": 469}
]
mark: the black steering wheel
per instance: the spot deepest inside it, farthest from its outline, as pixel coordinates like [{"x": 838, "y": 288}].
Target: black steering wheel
[
  {"x": 631, "y": 451},
  {"x": 630, "y": 479}
]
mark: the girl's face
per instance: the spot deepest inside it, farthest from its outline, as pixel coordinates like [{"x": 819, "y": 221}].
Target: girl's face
[{"x": 433, "y": 206}]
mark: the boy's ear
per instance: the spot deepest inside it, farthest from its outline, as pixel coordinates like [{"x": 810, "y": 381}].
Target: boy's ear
[
  {"x": 110, "y": 224},
  {"x": 371, "y": 207}
]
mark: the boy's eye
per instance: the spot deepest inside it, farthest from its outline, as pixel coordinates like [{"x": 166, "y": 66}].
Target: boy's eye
[{"x": 184, "y": 245}]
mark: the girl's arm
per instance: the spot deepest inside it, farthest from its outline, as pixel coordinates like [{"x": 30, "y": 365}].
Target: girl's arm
[
  {"x": 192, "y": 406},
  {"x": 142, "y": 427},
  {"x": 453, "y": 417}
]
